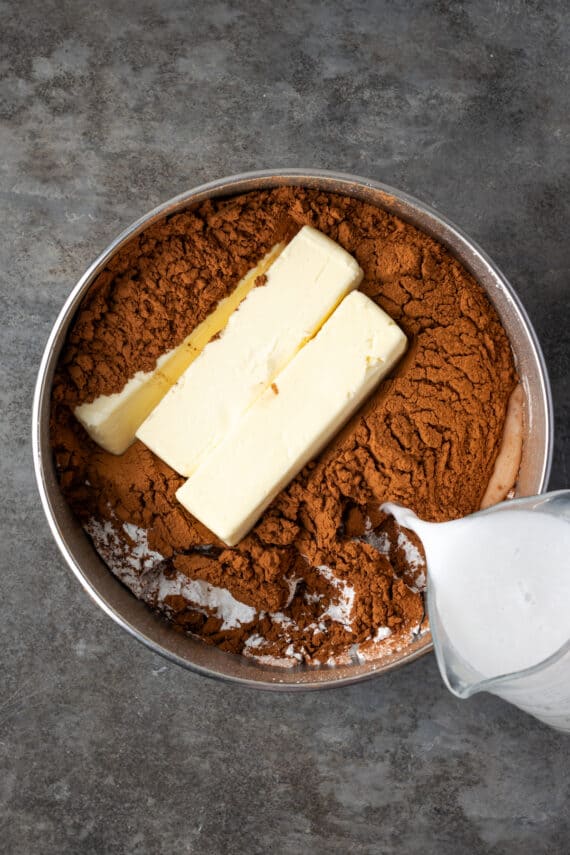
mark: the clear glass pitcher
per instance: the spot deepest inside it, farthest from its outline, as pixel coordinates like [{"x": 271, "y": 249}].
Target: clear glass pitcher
[{"x": 542, "y": 690}]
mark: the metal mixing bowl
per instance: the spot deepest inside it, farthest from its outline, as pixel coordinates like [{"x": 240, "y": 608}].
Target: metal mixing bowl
[{"x": 76, "y": 547}]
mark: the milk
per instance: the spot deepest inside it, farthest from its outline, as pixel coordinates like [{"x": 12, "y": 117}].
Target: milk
[{"x": 500, "y": 584}]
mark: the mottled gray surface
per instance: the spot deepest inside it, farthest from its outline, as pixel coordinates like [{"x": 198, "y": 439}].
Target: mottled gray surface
[{"x": 109, "y": 108}]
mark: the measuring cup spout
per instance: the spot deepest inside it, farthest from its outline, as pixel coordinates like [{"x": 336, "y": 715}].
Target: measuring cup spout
[{"x": 498, "y": 592}]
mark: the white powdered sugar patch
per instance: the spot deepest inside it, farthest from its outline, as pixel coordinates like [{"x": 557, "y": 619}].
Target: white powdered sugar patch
[
  {"x": 371, "y": 648},
  {"x": 381, "y": 633},
  {"x": 345, "y": 657},
  {"x": 380, "y": 542},
  {"x": 284, "y": 620},
  {"x": 317, "y": 628},
  {"x": 411, "y": 551},
  {"x": 255, "y": 641},
  {"x": 292, "y": 584},
  {"x": 274, "y": 661},
  {"x": 208, "y": 599},
  {"x": 102, "y": 534},
  {"x": 420, "y": 583},
  {"x": 141, "y": 557},
  {"x": 339, "y": 612},
  {"x": 381, "y": 643},
  {"x": 415, "y": 561},
  {"x": 131, "y": 566},
  {"x": 125, "y": 548},
  {"x": 254, "y": 649},
  {"x": 290, "y": 652}
]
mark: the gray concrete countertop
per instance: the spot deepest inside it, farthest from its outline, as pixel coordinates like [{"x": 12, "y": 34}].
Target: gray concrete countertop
[{"x": 109, "y": 108}]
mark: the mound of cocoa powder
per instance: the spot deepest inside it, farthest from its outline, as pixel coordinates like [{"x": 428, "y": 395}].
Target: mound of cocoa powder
[{"x": 323, "y": 569}]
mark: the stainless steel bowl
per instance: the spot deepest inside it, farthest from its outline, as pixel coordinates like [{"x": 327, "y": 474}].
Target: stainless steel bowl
[{"x": 76, "y": 547}]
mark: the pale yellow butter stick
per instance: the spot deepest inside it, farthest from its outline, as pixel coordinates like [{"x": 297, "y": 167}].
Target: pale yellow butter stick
[
  {"x": 292, "y": 421},
  {"x": 112, "y": 420},
  {"x": 303, "y": 286}
]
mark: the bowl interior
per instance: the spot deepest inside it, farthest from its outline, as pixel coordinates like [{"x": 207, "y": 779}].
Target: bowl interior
[{"x": 132, "y": 614}]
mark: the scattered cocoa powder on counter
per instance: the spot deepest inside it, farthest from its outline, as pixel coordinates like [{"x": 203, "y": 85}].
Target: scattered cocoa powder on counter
[{"x": 323, "y": 570}]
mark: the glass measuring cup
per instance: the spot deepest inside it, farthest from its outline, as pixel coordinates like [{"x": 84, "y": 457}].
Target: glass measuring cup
[{"x": 542, "y": 690}]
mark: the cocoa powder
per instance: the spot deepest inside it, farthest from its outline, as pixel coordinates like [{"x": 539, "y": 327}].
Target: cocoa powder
[{"x": 323, "y": 569}]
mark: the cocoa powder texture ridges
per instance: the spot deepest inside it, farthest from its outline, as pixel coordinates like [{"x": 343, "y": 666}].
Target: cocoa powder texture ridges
[{"x": 427, "y": 439}]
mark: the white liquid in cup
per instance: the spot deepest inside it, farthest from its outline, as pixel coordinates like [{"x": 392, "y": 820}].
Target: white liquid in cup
[{"x": 499, "y": 600}]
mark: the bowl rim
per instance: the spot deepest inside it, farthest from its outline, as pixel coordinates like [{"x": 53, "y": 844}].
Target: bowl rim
[{"x": 278, "y": 177}]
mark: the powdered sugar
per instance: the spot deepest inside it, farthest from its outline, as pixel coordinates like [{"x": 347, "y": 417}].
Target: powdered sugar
[
  {"x": 130, "y": 565},
  {"x": 254, "y": 648},
  {"x": 254, "y": 642},
  {"x": 141, "y": 557},
  {"x": 125, "y": 548},
  {"x": 208, "y": 599},
  {"x": 292, "y": 583},
  {"x": 133, "y": 566},
  {"x": 381, "y": 633},
  {"x": 380, "y": 542},
  {"x": 415, "y": 561},
  {"x": 341, "y": 611},
  {"x": 294, "y": 654},
  {"x": 283, "y": 619}
]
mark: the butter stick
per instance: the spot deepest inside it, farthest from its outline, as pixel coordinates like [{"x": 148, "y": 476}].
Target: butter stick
[
  {"x": 294, "y": 419},
  {"x": 112, "y": 420},
  {"x": 303, "y": 286}
]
